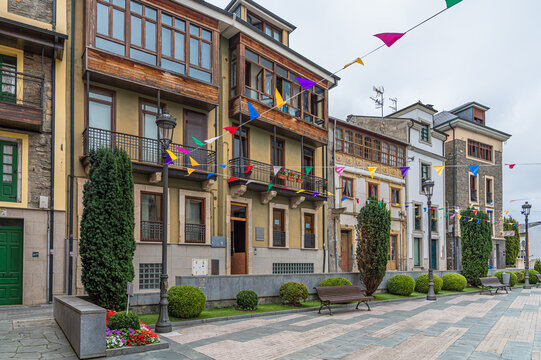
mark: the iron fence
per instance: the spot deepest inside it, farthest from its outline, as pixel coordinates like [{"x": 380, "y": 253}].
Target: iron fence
[
  {"x": 195, "y": 233},
  {"x": 151, "y": 230},
  {"x": 20, "y": 88}
]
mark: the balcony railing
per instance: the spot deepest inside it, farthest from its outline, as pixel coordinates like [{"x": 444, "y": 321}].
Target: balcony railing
[
  {"x": 264, "y": 173},
  {"x": 145, "y": 150},
  {"x": 195, "y": 233},
  {"x": 151, "y": 230},
  {"x": 310, "y": 241},
  {"x": 489, "y": 198},
  {"x": 22, "y": 89},
  {"x": 473, "y": 195},
  {"x": 278, "y": 238}
]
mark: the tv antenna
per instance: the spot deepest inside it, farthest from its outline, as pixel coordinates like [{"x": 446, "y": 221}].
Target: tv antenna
[
  {"x": 379, "y": 101},
  {"x": 394, "y": 106}
]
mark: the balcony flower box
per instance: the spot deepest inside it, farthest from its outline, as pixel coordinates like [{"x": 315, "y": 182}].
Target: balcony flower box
[
  {"x": 282, "y": 175},
  {"x": 300, "y": 178},
  {"x": 291, "y": 176}
]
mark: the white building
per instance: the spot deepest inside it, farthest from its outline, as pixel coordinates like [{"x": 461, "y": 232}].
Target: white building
[{"x": 425, "y": 150}]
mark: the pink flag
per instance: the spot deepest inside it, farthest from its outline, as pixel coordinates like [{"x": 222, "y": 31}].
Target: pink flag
[
  {"x": 357, "y": 200},
  {"x": 182, "y": 150},
  {"x": 511, "y": 165},
  {"x": 475, "y": 212},
  {"x": 340, "y": 170},
  {"x": 389, "y": 38},
  {"x": 305, "y": 83}
]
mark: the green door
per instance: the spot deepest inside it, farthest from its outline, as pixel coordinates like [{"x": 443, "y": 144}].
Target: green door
[{"x": 11, "y": 265}]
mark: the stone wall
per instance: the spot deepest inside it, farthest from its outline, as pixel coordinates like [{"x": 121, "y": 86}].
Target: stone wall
[{"x": 41, "y": 10}]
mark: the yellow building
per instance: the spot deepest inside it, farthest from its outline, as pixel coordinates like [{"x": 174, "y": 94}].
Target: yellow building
[
  {"x": 203, "y": 64},
  {"x": 32, "y": 150}
]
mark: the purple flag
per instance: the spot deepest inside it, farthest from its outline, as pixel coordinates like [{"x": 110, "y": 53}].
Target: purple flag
[
  {"x": 404, "y": 171},
  {"x": 305, "y": 83},
  {"x": 168, "y": 160},
  {"x": 389, "y": 38}
]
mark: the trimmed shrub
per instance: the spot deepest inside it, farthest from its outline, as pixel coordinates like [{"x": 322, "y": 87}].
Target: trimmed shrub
[
  {"x": 520, "y": 277},
  {"x": 247, "y": 300},
  {"x": 537, "y": 266},
  {"x": 532, "y": 273},
  {"x": 421, "y": 284},
  {"x": 512, "y": 280},
  {"x": 476, "y": 245},
  {"x": 335, "y": 281},
  {"x": 401, "y": 285},
  {"x": 454, "y": 282},
  {"x": 293, "y": 292},
  {"x": 512, "y": 243},
  {"x": 122, "y": 321},
  {"x": 186, "y": 301}
]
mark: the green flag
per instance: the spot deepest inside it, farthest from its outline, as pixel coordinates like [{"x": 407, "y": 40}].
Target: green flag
[
  {"x": 270, "y": 186},
  {"x": 452, "y": 3},
  {"x": 308, "y": 169},
  {"x": 198, "y": 142}
]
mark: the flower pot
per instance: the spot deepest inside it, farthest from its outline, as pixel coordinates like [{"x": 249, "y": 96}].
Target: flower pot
[
  {"x": 291, "y": 178},
  {"x": 300, "y": 181},
  {"x": 281, "y": 176}
]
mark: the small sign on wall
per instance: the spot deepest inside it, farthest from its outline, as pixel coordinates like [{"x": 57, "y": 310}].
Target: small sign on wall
[
  {"x": 217, "y": 241},
  {"x": 200, "y": 267}
]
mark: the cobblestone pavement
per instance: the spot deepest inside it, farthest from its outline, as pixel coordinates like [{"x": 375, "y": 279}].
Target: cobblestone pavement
[{"x": 470, "y": 326}]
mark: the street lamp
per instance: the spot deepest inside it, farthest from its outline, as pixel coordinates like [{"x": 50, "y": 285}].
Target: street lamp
[
  {"x": 526, "y": 210},
  {"x": 166, "y": 124},
  {"x": 428, "y": 189}
]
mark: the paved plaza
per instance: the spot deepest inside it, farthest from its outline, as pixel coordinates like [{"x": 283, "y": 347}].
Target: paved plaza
[{"x": 466, "y": 326}]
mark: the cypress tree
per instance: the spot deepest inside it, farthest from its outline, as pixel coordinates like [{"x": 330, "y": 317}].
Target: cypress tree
[
  {"x": 512, "y": 243},
  {"x": 374, "y": 231},
  {"x": 107, "y": 242},
  {"x": 476, "y": 245}
]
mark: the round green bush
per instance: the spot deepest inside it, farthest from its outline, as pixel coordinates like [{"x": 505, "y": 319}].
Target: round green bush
[
  {"x": 421, "y": 283},
  {"x": 454, "y": 282},
  {"x": 186, "y": 301},
  {"x": 247, "y": 300},
  {"x": 401, "y": 285},
  {"x": 512, "y": 280},
  {"x": 335, "y": 281},
  {"x": 533, "y": 278},
  {"x": 121, "y": 321},
  {"x": 293, "y": 292},
  {"x": 537, "y": 266},
  {"x": 520, "y": 277}
]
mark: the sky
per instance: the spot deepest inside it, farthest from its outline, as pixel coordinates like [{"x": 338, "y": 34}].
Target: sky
[{"x": 487, "y": 51}]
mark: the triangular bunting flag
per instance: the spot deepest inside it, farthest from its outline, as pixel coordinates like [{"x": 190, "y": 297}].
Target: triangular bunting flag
[
  {"x": 249, "y": 181},
  {"x": 446, "y": 215},
  {"x": 168, "y": 160},
  {"x": 248, "y": 168},
  {"x": 193, "y": 162},
  {"x": 424, "y": 209},
  {"x": 452, "y": 3},
  {"x": 223, "y": 166},
  {"x": 276, "y": 170},
  {"x": 511, "y": 165},
  {"x": 330, "y": 193},
  {"x": 379, "y": 202},
  {"x": 253, "y": 112},
  {"x": 404, "y": 171},
  {"x": 305, "y": 83},
  {"x": 308, "y": 169},
  {"x": 210, "y": 175},
  {"x": 279, "y": 101},
  {"x": 452, "y": 216},
  {"x": 507, "y": 212},
  {"x": 232, "y": 178},
  {"x": 171, "y": 155},
  {"x": 357, "y": 199},
  {"x": 301, "y": 190},
  {"x": 315, "y": 194},
  {"x": 190, "y": 171},
  {"x": 439, "y": 169},
  {"x": 389, "y": 38},
  {"x": 372, "y": 171},
  {"x": 475, "y": 212},
  {"x": 343, "y": 198},
  {"x": 269, "y": 187},
  {"x": 474, "y": 169},
  {"x": 358, "y": 61},
  {"x": 459, "y": 217},
  {"x": 231, "y": 129},
  {"x": 198, "y": 142},
  {"x": 211, "y": 140},
  {"x": 340, "y": 170},
  {"x": 181, "y": 150}
]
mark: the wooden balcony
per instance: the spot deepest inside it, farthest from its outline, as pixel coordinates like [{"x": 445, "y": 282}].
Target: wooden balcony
[
  {"x": 145, "y": 154},
  {"x": 135, "y": 76},
  {"x": 21, "y": 100}
]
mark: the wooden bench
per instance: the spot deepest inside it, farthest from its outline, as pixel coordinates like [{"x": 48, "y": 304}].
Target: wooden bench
[
  {"x": 490, "y": 283},
  {"x": 341, "y": 295}
]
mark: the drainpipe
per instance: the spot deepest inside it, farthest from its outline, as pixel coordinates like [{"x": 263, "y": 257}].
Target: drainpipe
[
  {"x": 335, "y": 196},
  {"x": 408, "y": 238},
  {"x": 324, "y": 161},
  {"x": 72, "y": 141},
  {"x": 455, "y": 244}
]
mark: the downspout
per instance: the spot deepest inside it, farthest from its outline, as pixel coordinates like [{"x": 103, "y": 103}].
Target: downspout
[
  {"x": 324, "y": 161},
  {"x": 72, "y": 141},
  {"x": 455, "y": 245},
  {"x": 407, "y": 200},
  {"x": 335, "y": 197}
]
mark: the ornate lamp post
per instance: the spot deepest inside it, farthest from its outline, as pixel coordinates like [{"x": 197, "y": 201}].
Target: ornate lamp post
[
  {"x": 526, "y": 210},
  {"x": 428, "y": 189},
  {"x": 166, "y": 124}
]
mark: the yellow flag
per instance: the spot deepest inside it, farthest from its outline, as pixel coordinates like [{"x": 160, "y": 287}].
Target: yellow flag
[
  {"x": 471, "y": 219},
  {"x": 507, "y": 212},
  {"x": 193, "y": 162},
  {"x": 330, "y": 193},
  {"x": 190, "y": 171},
  {"x": 301, "y": 190},
  {"x": 459, "y": 217},
  {"x": 372, "y": 171},
  {"x": 439, "y": 169},
  {"x": 279, "y": 101},
  {"x": 173, "y": 156},
  {"x": 358, "y": 61}
]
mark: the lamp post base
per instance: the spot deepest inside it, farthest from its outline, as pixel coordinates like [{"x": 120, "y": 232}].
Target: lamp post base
[
  {"x": 431, "y": 295},
  {"x": 163, "y": 325}
]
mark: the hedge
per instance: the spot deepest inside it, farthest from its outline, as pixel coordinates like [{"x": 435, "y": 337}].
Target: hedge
[
  {"x": 421, "y": 284},
  {"x": 454, "y": 282},
  {"x": 532, "y": 273},
  {"x": 293, "y": 292},
  {"x": 335, "y": 281},
  {"x": 513, "y": 279},
  {"x": 401, "y": 285},
  {"x": 121, "y": 321}
]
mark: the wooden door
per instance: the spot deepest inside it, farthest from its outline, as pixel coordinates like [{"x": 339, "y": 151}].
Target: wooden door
[
  {"x": 239, "y": 250},
  {"x": 11, "y": 265},
  {"x": 392, "y": 255},
  {"x": 345, "y": 247}
]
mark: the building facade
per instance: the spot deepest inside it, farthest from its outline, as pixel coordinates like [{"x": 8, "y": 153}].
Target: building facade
[
  {"x": 425, "y": 151},
  {"x": 358, "y": 143},
  {"x": 250, "y": 206},
  {"x": 471, "y": 142},
  {"x": 32, "y": 150}
]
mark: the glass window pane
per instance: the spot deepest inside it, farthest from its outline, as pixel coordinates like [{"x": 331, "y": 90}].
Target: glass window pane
[
  {"x": 119, "y": 3},
  {"x": 118, "y": 24},
  {"x": 201, "y": 75},
  {"x": 150, "y": 36},
  {"x": 205, "y": 34},
  {"x": 268, "y": 82},
  {"x": 276, "y": 35},
  {"x": 7, "y": 169},
  {"x": 99, "y": 116},
  {"x": 173, "y": 66},
  {"x": 7, "y": 178},
  {"x": 136, "y": 7},
  {"x": 194, "y": 51},
  {"x": 150, "y": 207},
  {"x": 281, "y": 71},
  {"x": 268, "y": 30},
  {"x": 100, "y": 96},
  {"x": 103, "y": 19},
  {"x": 194, "y": 30},
  {"x": 150, "y": 13},
  {"x": 110, "y": 46},
  {"x": 8, "y": 159},
  {"x": 238, "y": 211},
  {"x": 194, "y": 209},
  {"x": 179, "y": 46},
  {"x": 266, "y": 63},
  {"x": 180, "y": 24},
  {"x": 167, "y": 19},
  {"x": 8, "y": 149},
  {"x": 205, "y": 55},
  {"x": 136, "y": 30},
  {"x": 150, "y": 130},
  {"x": 143, "y": 56},
  {"x": 166, "y": 42},
  {"x": 251, "y": 56}
]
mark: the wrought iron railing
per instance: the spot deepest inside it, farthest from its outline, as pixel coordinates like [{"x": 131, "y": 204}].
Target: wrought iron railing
[
  {"x": 278, "y": 238},
  {"x": 151, "y": 230},
  {"x": 145, "y": 150},
  {"x": 195, "y": 233},
  {"x": 265, "y": 173},
  {"x": 310, "y": 241},
  {"x": 20, "y": 88}
]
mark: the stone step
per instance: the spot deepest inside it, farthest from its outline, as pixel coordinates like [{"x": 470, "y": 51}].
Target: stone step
[{"x": 33, "y": 322}]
